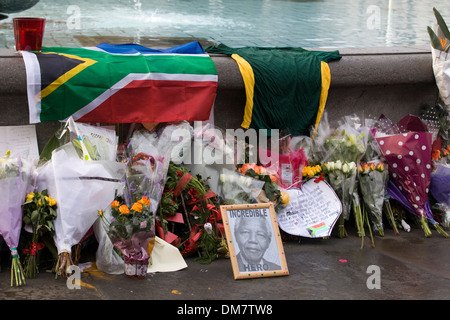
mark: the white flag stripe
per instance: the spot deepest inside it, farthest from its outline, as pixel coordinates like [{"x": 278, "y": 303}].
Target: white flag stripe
[
  {"x": 33, "y": 73},
  {"x": 149, "y": 54}
]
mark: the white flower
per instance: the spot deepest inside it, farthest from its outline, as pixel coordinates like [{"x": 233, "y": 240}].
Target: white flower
[
  {"x": 208, "y": 228},
  {"x": 338, "y": 165},
  {"x": 330, "y": 165},
  {"x": 345, "y": 168},
  {"x": 352, "y": 167}
]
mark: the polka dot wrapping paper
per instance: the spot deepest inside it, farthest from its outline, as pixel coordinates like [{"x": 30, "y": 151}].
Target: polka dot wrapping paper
[{"x": 409, "y": 159}]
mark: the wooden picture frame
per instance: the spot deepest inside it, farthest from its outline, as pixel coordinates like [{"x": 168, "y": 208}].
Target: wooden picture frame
[{"x": 254, "y": 240}]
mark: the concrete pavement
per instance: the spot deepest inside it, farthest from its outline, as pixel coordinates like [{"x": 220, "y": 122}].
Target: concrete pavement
[{"x": 410, "y": 267}]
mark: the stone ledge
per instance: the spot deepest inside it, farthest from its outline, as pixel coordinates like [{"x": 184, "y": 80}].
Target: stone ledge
[
  {"x": 390, "y": 81},
  {"x": 358, "y": 67}
]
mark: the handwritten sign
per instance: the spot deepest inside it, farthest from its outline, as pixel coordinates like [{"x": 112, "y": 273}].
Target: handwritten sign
[
  {"x": 254, "y": 240},
  {"x": 312, "y": 210},
  {"x": 20, "y": 140}
]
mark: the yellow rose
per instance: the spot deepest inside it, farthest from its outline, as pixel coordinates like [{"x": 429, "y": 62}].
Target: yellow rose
[
  {"x": 284, "y": 198},
  {"x": 30, "y": 197}
]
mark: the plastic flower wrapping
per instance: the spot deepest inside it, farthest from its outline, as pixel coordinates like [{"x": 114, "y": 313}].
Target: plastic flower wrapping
[
  {"x": 373, "y": 178},
  {"x": 440, "y": 183},
  {"x": 131, "y": 218},
  {"x": 340, "y": 151},
  {"x": 83, "y": 175},
  {"x": 15, "y": 174},
  {"x": 407, "y": 149}
]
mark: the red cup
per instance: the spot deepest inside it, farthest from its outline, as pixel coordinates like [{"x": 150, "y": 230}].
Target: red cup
[{"x": 28, "y": 33}]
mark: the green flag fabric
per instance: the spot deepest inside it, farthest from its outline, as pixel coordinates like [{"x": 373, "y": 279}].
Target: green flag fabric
[{"x": 287, "y": 85}]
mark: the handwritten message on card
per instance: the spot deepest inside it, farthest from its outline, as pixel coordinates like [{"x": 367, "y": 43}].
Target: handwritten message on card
[
  {"x": 312, "y": 210},
  {"x": 20, "y": 140}
]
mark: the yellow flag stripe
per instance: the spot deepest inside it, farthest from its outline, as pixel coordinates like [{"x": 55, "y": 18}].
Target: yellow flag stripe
[
  {"x": 68, "y": 75},
  {"x": 326, "y": 80},
  {"x": 249, "y": 83}
]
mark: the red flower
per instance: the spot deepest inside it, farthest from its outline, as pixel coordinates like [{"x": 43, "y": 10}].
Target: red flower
[
  {"x": 179, "y": 173},
  {"x": 194, "y": 194}
]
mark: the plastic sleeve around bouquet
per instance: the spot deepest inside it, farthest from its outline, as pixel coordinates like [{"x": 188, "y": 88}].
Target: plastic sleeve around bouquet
[
  {"x": 14, "y": 181},
  {"x": 82, "y": 187},
  {"x": 440, "y": 184},
  {"x": 373, "y": 188},
  {"x": 15, "y": 176},
  {"x": 236, "y": 188},
  {"x": 91, "y": 142},
  {"x": 149, "y": 158}
]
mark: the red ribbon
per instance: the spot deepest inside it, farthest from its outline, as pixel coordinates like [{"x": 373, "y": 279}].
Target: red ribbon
[
  {"x": 321, "y": 178},
  {"x": 184, "y": 180},
  {"x": 34, "y": 248}
]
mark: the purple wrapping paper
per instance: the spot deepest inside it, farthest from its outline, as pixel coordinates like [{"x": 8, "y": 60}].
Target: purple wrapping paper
[
  {"x": 394, "y": 192},
  {"x": 440, "y": 184}
]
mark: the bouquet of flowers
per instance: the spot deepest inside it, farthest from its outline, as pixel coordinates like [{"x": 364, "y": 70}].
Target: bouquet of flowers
[
  {"x": 440, "y": 45},
  {"x": 84, "y": 176},
  {"x": 14, "y": 180},
  {"x": 130, "y": 230},
  {"x": 201, "y": 229},
  {"x": 342, "y": 178},
  {"x": 440, "y": 183},
  {"x": 271, "y": 191},
  {"x": 409, "y": 157},
  {"x": 373, "y": 178},
  {"x": 340, "y": 152},
  {"x": 39, "y": 211},
  {"x": 236, "y": 188}
]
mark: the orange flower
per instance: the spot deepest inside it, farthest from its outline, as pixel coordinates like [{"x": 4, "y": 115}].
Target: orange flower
[
  {"x": 380, "y": 166},
  {"x": 145, "y": 201},
  {"x": 137, "y": 207},
  {"x": 436, "y": 155},
  {"x": 443, "y": 42},
  {"x": 124, "y": 209},
  {"x": 273, "y": 178},
  {"x": 115, "y": 204}
]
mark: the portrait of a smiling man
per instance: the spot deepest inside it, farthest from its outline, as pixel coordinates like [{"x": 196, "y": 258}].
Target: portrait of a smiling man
[{"x": 253, "y": 237}]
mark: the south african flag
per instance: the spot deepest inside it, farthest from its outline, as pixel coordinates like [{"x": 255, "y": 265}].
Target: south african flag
[{"x": 125, "y": 83}]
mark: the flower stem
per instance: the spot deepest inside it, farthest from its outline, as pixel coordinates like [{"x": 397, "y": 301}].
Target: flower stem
[
  {"x": 390, "y": 215},
  {"x": 440, "y": 230},
  {"x": 425, "y": 227}
]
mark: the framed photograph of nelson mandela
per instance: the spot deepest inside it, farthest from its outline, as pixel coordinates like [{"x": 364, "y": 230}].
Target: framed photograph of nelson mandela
[{"x": 254, "y": 240}]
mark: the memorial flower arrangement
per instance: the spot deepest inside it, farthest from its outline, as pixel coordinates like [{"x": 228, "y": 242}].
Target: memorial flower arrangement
[
  {"x": 440, "y": 39},
  {"x": 14, "y": 180},
  {"x": 191, "y": 209},
  {"x": 373, "y": 178},
  {"x": 440, "y": 183},
  {"x": 83, "y": 175},
  {"x": 342, "y": 178},
  {"x": 130, "y": 229},
  {"x": 39, "y": 211},
  {"x": 408, "y": 153},
  {"x": 271, "y": 191},
  {"x": 340, "y": 151}
]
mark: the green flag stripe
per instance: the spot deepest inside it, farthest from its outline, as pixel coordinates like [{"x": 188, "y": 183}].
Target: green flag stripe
[{"x": 93, "y": 81}]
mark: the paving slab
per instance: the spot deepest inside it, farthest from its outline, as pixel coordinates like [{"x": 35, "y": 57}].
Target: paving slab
[{"x": 410, "y": 267}]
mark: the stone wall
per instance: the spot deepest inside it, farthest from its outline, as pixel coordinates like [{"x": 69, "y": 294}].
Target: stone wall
[{"x": 368, "y": 82}]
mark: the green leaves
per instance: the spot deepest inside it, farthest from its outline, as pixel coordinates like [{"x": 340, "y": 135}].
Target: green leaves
[{"x": 440, "y": 41}]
